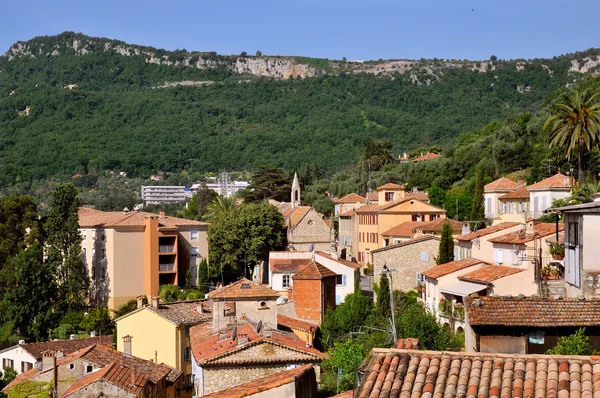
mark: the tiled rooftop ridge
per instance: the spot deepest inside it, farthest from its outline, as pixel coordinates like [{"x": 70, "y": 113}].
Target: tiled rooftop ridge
[{"x": 410, "y": 373}]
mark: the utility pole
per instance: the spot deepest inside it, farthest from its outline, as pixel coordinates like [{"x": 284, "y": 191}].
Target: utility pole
[{"x": 389, "y": 274}]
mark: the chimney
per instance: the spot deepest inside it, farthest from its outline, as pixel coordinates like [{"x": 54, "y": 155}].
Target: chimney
[
  {"x": 133, "y": 376},
  {"x": 466, "y": 229},
  {"x": 127, "y": 345},
  {"x": 200, "y": 308},
  {"x": 140, "y": 301},
  {"x": 521, "y": 183},
  {"x": 290, "y": 294},
  {"x": 93, "y": 333},
  {"x": 243, "y": 318},
  {"x": 71, "y": 337},
  {"x": 21, "y": 342},
  {"x": 155, "y": 301},
  {"x": 222, "y": 335},
  {"x": 48, "y": 360},
  {"x": 242, "y": 338},
  {"x": 161, "y": 214}
]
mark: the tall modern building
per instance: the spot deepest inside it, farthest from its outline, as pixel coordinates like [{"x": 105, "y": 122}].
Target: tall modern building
[{"x": 159, "y": 194}]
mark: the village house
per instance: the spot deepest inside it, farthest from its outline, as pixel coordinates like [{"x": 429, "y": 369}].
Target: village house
[
  {"x": 244, "y": 344},
  {"x": 411, "y": 373},
  {"x": 99, "y": 371},
  {"x": 284, "y": 265},
  {"x": 406, "y": 261},
  {"x": 133, "y": 253},
  {"x": 492, "y": 193},
  {"x": 477, "y": 243},
  {"x": 528, "y": 325},
  {"x": 348, "y": 235},
  {"x": 348, "y": 203},
  {"x": 160, "y": 332},
  {"x": 25, "y": 356},
  {"x": 425, "y": 157},
  {"x": 543, "y": 193}
]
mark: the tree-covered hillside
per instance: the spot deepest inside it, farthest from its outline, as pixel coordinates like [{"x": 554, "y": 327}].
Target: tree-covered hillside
[{"x": 116, "y": 117}]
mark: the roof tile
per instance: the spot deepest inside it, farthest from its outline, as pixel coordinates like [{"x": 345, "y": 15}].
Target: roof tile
[
  {"x": 453, "y": 266},
  {"x": 294, "y": 323},
  {"x": 502, "y": 184},
  {"x": 539, "y": 231},
  {"x": 351, "y": 198},
  {"x": 490, "y": 274},
  {"x": 287, "y": 265},
  {"x": 242, "y": 289},
  {"x": 486, "y": 231},
  {"x": 66, "y": 346},
  {"x": 521, "y": 193},
  {"x": 93, "y": 218},
  {"x": 556, "y": 181},
  {"x": 314, "y": 270},
  {"x": 408, "y": 242},
  {"x": 390, "y": 186}
]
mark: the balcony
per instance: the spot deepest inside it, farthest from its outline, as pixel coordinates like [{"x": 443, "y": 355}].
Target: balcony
[
  {"x": 166, "y": 248},
  {"x": 166, "y": 267}
]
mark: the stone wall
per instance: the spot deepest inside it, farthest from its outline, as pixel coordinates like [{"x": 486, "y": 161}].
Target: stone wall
[{"x": 405, "y": 262}]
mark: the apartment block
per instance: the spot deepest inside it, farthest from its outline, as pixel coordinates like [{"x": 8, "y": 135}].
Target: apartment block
[{"x": 165, "y": 194}]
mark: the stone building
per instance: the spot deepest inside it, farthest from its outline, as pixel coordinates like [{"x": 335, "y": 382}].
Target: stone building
[{"x": 407, "y": 260}]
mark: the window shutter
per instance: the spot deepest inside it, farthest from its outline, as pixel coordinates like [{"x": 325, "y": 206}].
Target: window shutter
[
  {"x": 338, "y": 299},
  {"x": 424, "y": 256},
  {"x": 499, "y": 256},
  {"x": 512, "y": 257}
]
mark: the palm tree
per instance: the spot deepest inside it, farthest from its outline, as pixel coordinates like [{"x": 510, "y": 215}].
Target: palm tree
[
  {"x": 576, "y": 124},
  {"x": 220, "y": 206},
  {"x": 585, "y": 193}
]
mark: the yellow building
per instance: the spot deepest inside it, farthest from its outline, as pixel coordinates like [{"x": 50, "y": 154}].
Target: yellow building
[
  {"x": 393, "y": 208},
  {"x": 160, "y": 332},
  {"x": 133, "y": 253}
]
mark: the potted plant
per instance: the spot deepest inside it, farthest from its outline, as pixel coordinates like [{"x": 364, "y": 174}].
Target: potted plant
[
  {"x": 549, "y": 272},
  {"x": 557, "y": 250}
]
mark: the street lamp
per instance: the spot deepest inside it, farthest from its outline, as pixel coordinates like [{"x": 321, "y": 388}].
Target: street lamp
[{"x": 389, "y": 273}]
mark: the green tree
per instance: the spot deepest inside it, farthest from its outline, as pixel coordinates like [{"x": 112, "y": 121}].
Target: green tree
[
  {"x": 219, "y": 207},
  {"x": 383, "y": 299},
  {"x": 446, "y": 252},
  {"x": 64, "y": 248},
  {"x": 575, "y": 124},
  {"x": 576, "y": 344},
  {"x": 585, "y": 193},
  {"x": 17, "y": 213},
  {"x": 247, "y": 233},
  {"x": 417, "y": 322},
  {"x": 268, "y": 183},
  {"x": 258, "y": 53},
  {"x": 203, "y": 276},
  {"x": 98, "y": 320},
  {"x": 437, "y": 196},
  {"x": 198, "y": 206},
  {"x": 171, "y": 293},
  {"x": 478, "y": 212},
  {"x": 339, "y": 369},
  {"x": 355, "y": 311}
]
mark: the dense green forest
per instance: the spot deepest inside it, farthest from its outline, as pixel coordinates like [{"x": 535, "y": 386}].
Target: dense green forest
[{"x": 115, "y": 118}]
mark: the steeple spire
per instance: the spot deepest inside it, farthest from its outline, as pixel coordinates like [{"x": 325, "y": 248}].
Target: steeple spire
[{"x": 295, "y": 192}]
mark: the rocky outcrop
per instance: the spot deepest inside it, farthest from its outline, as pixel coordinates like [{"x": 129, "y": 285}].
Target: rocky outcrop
[
  {"x": 586, "y": 65},
  {"x": 280, "y": 68}
]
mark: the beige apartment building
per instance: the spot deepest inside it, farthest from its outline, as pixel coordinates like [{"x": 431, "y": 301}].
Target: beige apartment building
[{"x": 129, "y": 254}]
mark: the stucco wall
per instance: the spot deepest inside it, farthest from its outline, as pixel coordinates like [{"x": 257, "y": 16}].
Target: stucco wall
[{"x": 18, "y": 355}]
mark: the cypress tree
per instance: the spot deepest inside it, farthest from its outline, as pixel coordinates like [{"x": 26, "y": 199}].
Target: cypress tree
[
  {"x": 478, "y": 211},
  {"x": 383, "y": 298},
  {"x": 446, "y": 253}
]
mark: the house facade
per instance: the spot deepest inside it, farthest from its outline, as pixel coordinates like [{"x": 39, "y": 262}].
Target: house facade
[{"x": 133, "y": 253}]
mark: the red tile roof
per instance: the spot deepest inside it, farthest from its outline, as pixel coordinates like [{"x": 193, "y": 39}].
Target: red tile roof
[
  {"x": 296, "y": 215},
  {"x": 521, "y": 193},
  {"x": 453, "y": 266},
  {"x": 426, "y": 374},
  {"x": 486, "y": 231},
  {"x": 502, "y": 184},
  {"x": 427, "y": 156},
  {"x": 94, "y": 218},
  {"x": 533, "y": 311},
  {"x": 66, "y": 346},
  {"x": 347, "y": 394},
  {"x": 437, "y": 225},
  {"x": 390, "y": 186},
  {"x": 314, "y": 270},
  {"x": 268, "y": 383},
  {"x": 490, "y": 274},
  {"x": 287, "y": 265},
  {"x": 180, "y": 313},
  {"x": 119, "y": 376},
  {"x": 422, "y": 196},
  {"x": 409, "y": 343},
  {"x": 351, "y": 198},
  {"x": 243, "y": 289},
  {"x": 373, "y": 208},
  {"x": 295, "y": 323},
  {"x": 372, "y": 196},
  {"x": 405, "y": 229},
  {"x": 347, "y": 263},
  {"x": 208, "y": 348},
  {"x": 556, "y": 181},
  {"x": 539, "y": 231},
  {"x": 348, "y": 213},
  {"x": 408, "y": 242}
]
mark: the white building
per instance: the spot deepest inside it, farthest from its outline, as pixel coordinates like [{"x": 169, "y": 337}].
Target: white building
[
  {"x": 224, "y": 186},
  {"x": 159, "y": 194}
]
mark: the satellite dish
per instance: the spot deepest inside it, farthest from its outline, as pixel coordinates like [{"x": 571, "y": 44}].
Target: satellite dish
[
  {"x": 234, "y": 333},
  {"x": 258, "y": 326}
]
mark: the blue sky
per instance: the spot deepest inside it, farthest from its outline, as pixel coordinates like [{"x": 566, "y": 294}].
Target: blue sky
[{"x": 368, "y": 29}]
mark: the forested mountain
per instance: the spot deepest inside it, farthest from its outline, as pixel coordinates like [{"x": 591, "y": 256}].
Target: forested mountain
[{"x": 74, "y": 104}]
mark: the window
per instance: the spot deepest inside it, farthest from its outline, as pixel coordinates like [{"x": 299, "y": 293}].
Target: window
[
  {"x": 89, "y": 368},
  {"x": 286, "y": 281},
  {"x": 194, "y": 252},
  {"x": 339, "y": 280},
  {"x": 499, "y": 256},
  {"x": 187, "y": 331},
  {"x": 415, "y": 217},
  {"x": 310, "y": 223},
  {"x": 338, "y": 299},
  {"x": 544, "y": 205},
  {"x": 8, "y": 363},
  {"x": 424, "y": 256},
  {"x": 84, "y": 251},
  {"x": 344, "y": 280},
  {"x": 83, "y": 235},
  {"x": 194, "y": 234},
  {"x": 25, "y": 366},
  {"x": 389, "y": 196},
  {"x": 186, "y": 354},
  {"x": 573, "y": 238},
  {"x": 71, "y": 366},
  {"x": 433, "y": 217}
]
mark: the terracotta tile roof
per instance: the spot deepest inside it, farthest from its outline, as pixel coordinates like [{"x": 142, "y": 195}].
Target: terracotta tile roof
[
  {"x": 422, "y": 196},
  {"x": 453, "y": 266},
  {"x": 208, "y": 348},
  {"x": 521, "y": 193},
  {"x": 556, "y": 181},
  {"x": 180, "y": 313},
  {"x": 287, "y": 265},
  {"x": 410, "y": 373},
  {"x": 296, "y": 215},
  {"x": 409, "y": 343},
  {"x": 267, "y": 383},
  {"x": 502, "y": 184},
  {"x": 405, "y": 229},
  {"x": 534, "y": 311},
  {"x": 243, "y": 289},
  {"x": 327, "y": 222},
  {"x": 348, "y": 213},
  {"x": 95, "y": 218},
  {"x": 102, "y": 356},
  {"x": 390, "y": 186},
  {"x": 437, "y": 225},
  {"x": 373, "y": 208},
  {"x": 539, "y": 231},
  {"x": 490, "y": 274},
  {"x": 552, "y": 238},
  {"x": 347, "y": 394},
  {"x": 314, "y": 270},
  {"x": 119, "y": 376},
  {"x": 372, "y": 196},
  {"x": 486, "y": 231},
  {"x": 427, "y": 156},
  {"x": 351, "y": 198},
  {"x": 287, "y": 213},
  {"x": 412, "y": 241},
  {"x": 66, "y": 346},
  {"x": 347, "y": 263},
  {"x": 295, "y": 323}
]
